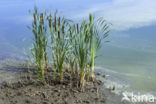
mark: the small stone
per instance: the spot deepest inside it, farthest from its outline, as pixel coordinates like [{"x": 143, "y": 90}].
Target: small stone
[
  {"x": 19, "y": 93},
  {"x": 6, "y": 84},
  {"x": 65, "y": 102},
  {"x": 75, "y": 91},
  {"x": 96, "y": 98},
  {"x": 98, "y": 74},
  {"x": 45, "y": 102},
  {"x": 113, "y": 88},
  {"x": 64, "y": 86},
  {"x": 86, "y": 101},
  {"x": 104, "y": 76},
  {"x": 44, "y": 95},
  {"x": 56, "y": 90},
  {"x": 99, "y": 82},
  {"x": 27, "y": 101},
  {"x": 102, "y": 101}
]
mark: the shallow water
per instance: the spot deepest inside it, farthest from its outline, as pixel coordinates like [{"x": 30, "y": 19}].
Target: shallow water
[
  {"x": 136, "y": 65},
  {"x": 131, "y": 54}
]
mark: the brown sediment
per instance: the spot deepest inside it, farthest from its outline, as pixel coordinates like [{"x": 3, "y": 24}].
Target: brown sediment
[{"x": 28, "y": 91}]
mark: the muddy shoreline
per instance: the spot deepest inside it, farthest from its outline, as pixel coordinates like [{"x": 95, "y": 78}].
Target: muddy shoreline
[
  {"x": 22, "y": 89},
  {"x": 31, "y": 92},
  {"x": 15, "y": 79}
]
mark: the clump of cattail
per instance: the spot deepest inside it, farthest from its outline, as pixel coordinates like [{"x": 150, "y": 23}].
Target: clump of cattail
[{"x": 80, "y": 41}]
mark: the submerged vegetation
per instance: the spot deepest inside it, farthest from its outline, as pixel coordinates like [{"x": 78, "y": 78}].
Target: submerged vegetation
[{"x": 73, "y": 46}]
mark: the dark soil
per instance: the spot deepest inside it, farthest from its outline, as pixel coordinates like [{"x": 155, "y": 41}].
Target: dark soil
[{"x": 28, "y": 91}]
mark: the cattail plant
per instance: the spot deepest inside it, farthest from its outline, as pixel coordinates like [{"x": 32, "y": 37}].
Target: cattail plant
[
  {"x": 39, "y": 50},
  {"x": 98, "y": 30},
  {"x": 44, "y": 38},
  {"x": 72, "y": 44},
  {"x": 81, "y": 49},
  {"x": 71, "y": 57},
  {"x": 59, "y": 42}
]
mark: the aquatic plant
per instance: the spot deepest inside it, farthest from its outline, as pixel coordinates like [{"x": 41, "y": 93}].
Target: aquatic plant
[
  {"x": 81, "y": 48},
  {"x": 39, "y": 50},
  {"x": 98, "y": 30},
  {"x": 59, "y": 42},
  {"x": 74, "y": 46}
]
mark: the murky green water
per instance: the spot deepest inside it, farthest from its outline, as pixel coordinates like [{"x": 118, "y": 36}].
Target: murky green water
[{"x": 137, "y": 65}]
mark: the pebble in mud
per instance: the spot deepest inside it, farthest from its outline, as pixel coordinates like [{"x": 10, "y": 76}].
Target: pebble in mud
[
  {"x": 44, "y": 95},
  {"x": 104, "y": 76},
  {"x": 13, "y": 102},
  {"x": 102, "y": 101},
  {"x": 86, "y": 101},
  {"x": 6, "y": 84},
  {"x": 27, "y": 101},
  {"x": 19, "y": 93},
  {"x": 98, "y": 74},
  {"x": 65, "y": 102}
]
